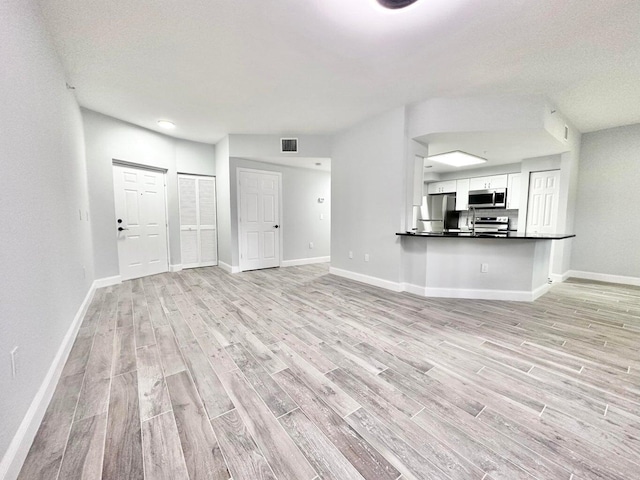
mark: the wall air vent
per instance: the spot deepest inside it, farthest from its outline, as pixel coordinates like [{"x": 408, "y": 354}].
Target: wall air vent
[{"x": 288, "y": 145}]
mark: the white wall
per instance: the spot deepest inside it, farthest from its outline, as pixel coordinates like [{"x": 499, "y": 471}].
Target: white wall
[
  {"x": 301, "y": 224},
  {"x": 109, "y": 139},
  {"x": 43, "y": 189},
  {"x": 608, "y": 197},
  {"x": 368, "y": 186},
  {"x": 223, "y": 192}
]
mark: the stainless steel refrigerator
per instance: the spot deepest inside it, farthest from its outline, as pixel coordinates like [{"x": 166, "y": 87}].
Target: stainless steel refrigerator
[{"x": 438, "y": 213}]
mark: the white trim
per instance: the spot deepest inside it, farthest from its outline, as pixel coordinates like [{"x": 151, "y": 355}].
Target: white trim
[
  {"x": 359, "y": 277},
  {"x": 480, "y": 294},
  {"x": 604, "y": 277},
  {"x": 304, "y": 261},
  {"x": 107, "y": 281},
  {"x": 558, "y": 277},
  {"x": 198, "y": 265},
  {"x": 239, "y": 210},
  {"x": 175, "y": 268},
  {"x": 415, "y": 289},
  {"x": 21, "y": 443},
  {"x": 228, "y": 268}
]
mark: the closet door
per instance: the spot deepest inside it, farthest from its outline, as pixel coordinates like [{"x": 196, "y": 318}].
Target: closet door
[{"x": 198, "y": 233}]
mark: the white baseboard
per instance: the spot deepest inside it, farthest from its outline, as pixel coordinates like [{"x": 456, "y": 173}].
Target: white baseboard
[
  {"x": 359, "y": 277},
  {"x": 604, "y": 277},
  {"x": 508, "y": 295},
  {"x": 21, "y": 443},
  {"x": 558, "y": 278},
  {"x": 415, "y": 289},
  {"x": 480, "y": 294},
  {"x": 175, "y": 268},
  {"x": 107, "y": 281},
  {"x": 228, "y": 268},
  {"x": 304, "y": 261}
]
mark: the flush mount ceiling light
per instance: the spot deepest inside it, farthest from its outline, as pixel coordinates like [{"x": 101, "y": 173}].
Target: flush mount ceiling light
[
  {"x": 166, "y": 124},
  {"x": 395, "y": 4},
  {"x": 457, "y": 158}
]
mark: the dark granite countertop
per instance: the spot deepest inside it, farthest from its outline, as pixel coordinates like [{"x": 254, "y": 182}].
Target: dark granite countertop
[{"x": 508, "y": 236}]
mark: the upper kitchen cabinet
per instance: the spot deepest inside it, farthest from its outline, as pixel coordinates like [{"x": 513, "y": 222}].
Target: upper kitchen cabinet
[
  {"x": 462, "y": 194},
  {"x": 484, "y": 183},
  {"x": 447, "y": 186},
  {"x": 513, "y": 190}
]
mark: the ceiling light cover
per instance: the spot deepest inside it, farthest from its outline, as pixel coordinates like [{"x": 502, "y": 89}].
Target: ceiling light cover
[
  {"x": 395, "y": 4},
  {"x": 457, "y": 158},
  {"x": 166, "y": 124}
]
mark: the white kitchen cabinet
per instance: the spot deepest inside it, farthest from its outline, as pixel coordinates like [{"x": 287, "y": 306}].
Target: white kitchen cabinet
[
  {"x": 198, "y": 231},
  {"x": 513, "y": 190},
  {"x": 484, "y": 183},
  {"x": 462, "y": 194},
  {"x": 447, "y": 186}
]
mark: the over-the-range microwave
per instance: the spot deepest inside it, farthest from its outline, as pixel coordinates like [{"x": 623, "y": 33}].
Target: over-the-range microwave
[{"x": 495, "y": 198}]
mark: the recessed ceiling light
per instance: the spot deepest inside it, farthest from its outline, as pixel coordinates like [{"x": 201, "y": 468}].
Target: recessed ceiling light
[
  {"x": 166, "y": 124},
  {"x": 457, "y": 158},
  {"x": 395, "y": 4}
]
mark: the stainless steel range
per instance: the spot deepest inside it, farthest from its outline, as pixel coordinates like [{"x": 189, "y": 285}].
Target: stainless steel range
[{"x": 499, "y": 225}]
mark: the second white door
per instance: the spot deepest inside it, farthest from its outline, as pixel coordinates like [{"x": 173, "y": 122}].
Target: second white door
[
  {"x": 542, "y": 207},
  {"x": 258, "y": 219}
]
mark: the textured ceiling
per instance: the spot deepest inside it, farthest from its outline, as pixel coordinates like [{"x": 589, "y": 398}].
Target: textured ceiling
[{"x": 318, "y": 66}]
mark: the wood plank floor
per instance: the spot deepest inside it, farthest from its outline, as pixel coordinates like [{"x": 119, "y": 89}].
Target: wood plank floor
[{"x": 297, "y": 374}]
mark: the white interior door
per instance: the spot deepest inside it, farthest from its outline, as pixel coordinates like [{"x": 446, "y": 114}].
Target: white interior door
[
  {"x": 542, "y": 206},
  {"x": 141, "y": 221},
  {"x": 198, "y": 232},
  {"x": 259, "y": 219}
]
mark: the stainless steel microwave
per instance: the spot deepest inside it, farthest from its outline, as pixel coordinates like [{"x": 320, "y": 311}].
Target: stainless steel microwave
[{"x": 495, "y": 198}]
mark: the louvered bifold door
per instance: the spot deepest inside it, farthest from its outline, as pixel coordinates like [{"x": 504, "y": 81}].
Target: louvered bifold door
[
  {"x": 198, "y": 233},
  {"x": 207, "y": 217}
]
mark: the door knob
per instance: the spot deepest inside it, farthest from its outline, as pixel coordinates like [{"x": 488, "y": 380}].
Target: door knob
[
  {"x": 276, "y": 226},
  {"x": 122, "y": 228}
]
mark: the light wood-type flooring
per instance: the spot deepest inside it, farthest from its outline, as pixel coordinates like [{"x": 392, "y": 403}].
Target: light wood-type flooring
[{"x": 296, "y": 374}]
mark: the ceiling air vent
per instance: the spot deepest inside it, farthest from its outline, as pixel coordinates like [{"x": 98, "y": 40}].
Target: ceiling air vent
[{"x": 288, "y": 145}]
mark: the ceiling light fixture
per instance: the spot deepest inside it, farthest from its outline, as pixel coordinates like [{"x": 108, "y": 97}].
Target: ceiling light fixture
[
  {"x": 166, "y": 124},
  {"x": 457, "y": 158},
  {"x": 395, "y": 4}
]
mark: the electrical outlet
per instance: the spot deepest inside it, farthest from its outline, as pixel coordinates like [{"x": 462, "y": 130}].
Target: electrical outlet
[
  {"x": 366, "y": 257},
  {"x": 310, "y": 244},
  {"x": 350, "y": 254},
  {"x": 484, "y": 267},
  {"x": 14, "y": 362}
]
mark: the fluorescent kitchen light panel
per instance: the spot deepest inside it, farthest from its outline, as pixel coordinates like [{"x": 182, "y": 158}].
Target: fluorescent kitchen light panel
[{"x": 457, "y": 158}]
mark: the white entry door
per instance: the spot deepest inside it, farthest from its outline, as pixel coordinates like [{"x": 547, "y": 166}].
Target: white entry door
[
  {"x": 141, "y": 221},
  {"x": 542, "y": 207},
  {"x": 198, "y": 234},
  {"x": 258, "y": 219}
]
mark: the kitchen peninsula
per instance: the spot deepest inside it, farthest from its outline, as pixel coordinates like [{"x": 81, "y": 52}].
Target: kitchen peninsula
[{"x": 510, "y": 266}]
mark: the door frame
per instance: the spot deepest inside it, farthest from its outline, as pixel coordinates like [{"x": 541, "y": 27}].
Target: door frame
[
  {"x": 164, "y": 171},
  {"x": 239, "y": 210}
]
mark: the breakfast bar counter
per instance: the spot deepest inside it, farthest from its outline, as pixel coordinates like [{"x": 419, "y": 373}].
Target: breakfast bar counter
[{"x": 504, "y": 266}]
